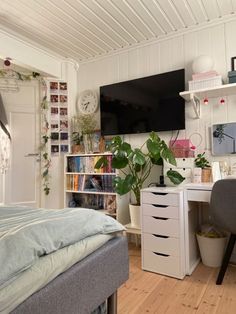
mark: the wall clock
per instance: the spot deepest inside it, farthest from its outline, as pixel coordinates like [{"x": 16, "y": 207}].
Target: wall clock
[{"x": 88, "y": 102}]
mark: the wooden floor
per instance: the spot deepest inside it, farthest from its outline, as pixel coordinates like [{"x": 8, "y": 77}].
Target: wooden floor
[{"x": 147, "y": 292}]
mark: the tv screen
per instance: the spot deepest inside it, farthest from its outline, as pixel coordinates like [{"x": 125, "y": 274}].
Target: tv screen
[{"x": 142, "y": 105}]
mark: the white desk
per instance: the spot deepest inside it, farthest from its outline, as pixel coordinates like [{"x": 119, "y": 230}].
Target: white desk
[{"x": 193, "y": 192}]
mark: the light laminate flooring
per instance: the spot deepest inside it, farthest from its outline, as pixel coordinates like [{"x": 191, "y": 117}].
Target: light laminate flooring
[{"x": 147, "y": 292}]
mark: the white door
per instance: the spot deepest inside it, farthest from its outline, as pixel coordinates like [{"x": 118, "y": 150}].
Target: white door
[{"x": 22, "y": 184}]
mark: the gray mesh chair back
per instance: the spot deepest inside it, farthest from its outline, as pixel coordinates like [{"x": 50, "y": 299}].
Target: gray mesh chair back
[{"x": 223, "y": 215}]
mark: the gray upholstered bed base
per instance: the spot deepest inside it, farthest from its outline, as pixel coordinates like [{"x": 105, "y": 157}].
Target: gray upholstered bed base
[{"x": 84, "y": 286}]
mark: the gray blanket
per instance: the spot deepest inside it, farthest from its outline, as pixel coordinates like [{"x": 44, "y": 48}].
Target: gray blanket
[{"x": 27, "y": 234}]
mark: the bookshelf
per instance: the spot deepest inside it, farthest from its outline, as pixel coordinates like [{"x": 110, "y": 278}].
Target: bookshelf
[{"x": 88, "y": 187}]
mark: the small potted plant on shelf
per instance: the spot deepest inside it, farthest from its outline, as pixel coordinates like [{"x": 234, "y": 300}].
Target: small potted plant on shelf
[
  {"x": 86, "y": 126},
  {"x": 203, "y": 163},
  {"x": 135, "y": 165}
]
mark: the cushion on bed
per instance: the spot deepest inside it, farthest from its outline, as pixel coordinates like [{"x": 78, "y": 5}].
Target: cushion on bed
[{"x": 26, "y": 234}]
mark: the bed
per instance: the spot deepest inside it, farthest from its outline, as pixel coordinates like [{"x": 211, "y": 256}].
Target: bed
[{"x": 81, "y": 287}]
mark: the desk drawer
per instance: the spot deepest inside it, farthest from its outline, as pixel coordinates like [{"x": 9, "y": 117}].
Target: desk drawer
[
  {"x": 160, "y": 198},
  {"x": 164, "y": 211},
  {"x": 199, "y": 196},
  {"x": 167, "y": 265},
  {"x": 166, "y": 245},
  {"x": 161, "y": 226}
]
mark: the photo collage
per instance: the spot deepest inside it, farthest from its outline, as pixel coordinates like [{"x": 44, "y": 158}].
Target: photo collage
[{"x": 58, "y": 99}]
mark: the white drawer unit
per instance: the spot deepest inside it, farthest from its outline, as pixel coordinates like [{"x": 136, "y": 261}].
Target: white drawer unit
[
  {"x": 164, "y": 211},
  {"x": 162, "y": 226},
  {"x": 162, "y": 263},
  {"x": 160, "y": 198},
  {"x": 164, "y": 244},
  {"x": 162, "y": 229}
]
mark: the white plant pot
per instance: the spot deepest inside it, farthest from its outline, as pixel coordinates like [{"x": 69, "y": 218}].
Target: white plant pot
[
  {"x": 134, "y": 211},
  {"x": 211, "y": 250}
]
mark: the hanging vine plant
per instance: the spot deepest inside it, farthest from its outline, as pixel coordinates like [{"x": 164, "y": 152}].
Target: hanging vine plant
[
  {"x": 46, "y": 161},
  {"x": 45, "y": 135}
]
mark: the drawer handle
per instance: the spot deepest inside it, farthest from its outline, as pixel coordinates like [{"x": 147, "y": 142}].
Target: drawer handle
[
  {"x": 160, "y": 218},
  {"x": 161, "y": 254},
  {"x": 157, "y": 205},
  {"x": 160, "y": 236},
  {"x": 159, "y": 193}
]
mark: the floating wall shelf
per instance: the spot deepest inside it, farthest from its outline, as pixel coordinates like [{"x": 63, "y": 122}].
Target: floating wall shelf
[{"x": 195, "y": 96}]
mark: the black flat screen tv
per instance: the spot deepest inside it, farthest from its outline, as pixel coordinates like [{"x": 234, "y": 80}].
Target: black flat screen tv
[{"x": 143, "y": 105}]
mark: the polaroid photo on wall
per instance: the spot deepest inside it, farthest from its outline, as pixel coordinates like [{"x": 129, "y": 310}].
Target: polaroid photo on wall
[
  {"x": 54, "y": 126},
  {"x": 63, "y": 125},
  {"x": 64, "y": 148},
  {"x": 55, "y": 149},
  {"x": 63, "y": 112},
  {"x": 63, "y": 87},
  {"x": 63, "y": 136},
  {"x": 54, "y": 111},
  {"x": 54, "y": 98},
  {"x": 54, "y": 136},
  {"x": 53, "y": 86},
  {"x": 63, "y": 100}
]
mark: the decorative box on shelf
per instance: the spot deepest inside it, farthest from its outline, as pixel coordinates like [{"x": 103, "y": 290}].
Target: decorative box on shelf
[
  {"x": 232, "y": 76},
  {"x": 182, "y": 148},
  {"x": 205, "y": 83}
]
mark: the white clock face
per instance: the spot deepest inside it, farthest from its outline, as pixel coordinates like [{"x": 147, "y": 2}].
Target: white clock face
[{"x": 88, "y": 102}]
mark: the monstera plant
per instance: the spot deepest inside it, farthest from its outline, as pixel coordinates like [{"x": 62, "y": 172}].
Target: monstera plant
[{"x": 135, "y": 164}]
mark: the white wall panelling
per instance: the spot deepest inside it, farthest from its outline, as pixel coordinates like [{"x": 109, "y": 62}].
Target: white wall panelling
[{"x": 178, "y": 52}]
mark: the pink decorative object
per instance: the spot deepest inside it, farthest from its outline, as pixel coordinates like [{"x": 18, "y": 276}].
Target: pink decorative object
[
  {"x": 205, "y": 75},
  {"x": 182, "y": 148}
]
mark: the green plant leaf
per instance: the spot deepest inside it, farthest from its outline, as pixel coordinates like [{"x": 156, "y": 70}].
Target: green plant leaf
[
  {"x": 139, "y": 157},
  {"x": 102, "y": 162},
  {"x": 123, "y": 186},
  {"x": 157, "y": 160},
  {"x": 153, "y": 148},
  {"x": 45, "y": 173},
  {"x": 119, "y": 162},
  {"x": 126, "y": 147},
  {"x": 175, "y": 177}
]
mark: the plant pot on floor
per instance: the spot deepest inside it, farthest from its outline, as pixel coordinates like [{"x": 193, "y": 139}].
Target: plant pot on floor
[
  {"x": 134, "y": 211},
  {"x": 211, "y": 250}
]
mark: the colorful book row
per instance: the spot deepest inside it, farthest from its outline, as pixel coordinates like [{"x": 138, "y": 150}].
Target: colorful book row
[
  {"x": 87, "y": 163},
  {"x": 78, "y": 182}
]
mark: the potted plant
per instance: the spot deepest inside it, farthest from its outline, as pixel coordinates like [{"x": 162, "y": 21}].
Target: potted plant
[
  {"x": 86, "y": 126},
  {"x": 135, "y": 165},
  {"x": 77, "y": 142},
  {"x": 203, "y": 163}
]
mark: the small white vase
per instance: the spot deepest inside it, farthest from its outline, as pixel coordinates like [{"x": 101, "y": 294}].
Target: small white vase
[{"x": 134, "y": 211}]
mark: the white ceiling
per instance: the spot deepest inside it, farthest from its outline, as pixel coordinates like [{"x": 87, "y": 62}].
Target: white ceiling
[{"x": 85, "y": 29}]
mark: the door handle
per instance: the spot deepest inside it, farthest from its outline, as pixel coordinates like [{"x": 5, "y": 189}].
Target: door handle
[{"x": 32, "y": 155}]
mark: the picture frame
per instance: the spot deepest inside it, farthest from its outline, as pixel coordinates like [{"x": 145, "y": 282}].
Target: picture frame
[
  {"x": 233, "y": 64},
  {"x": 96, "y": 140},
  {"x": 107, "y": 143}
]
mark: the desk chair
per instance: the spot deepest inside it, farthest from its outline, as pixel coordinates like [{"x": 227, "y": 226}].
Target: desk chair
[{"x": 223, "y": 214}]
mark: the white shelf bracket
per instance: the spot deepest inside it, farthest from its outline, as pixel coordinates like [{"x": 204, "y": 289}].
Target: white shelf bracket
[{"x": 196, "y": 104}]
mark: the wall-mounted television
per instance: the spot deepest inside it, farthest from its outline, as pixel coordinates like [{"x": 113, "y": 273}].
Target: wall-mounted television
[{"x": 142, "y": 105}]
